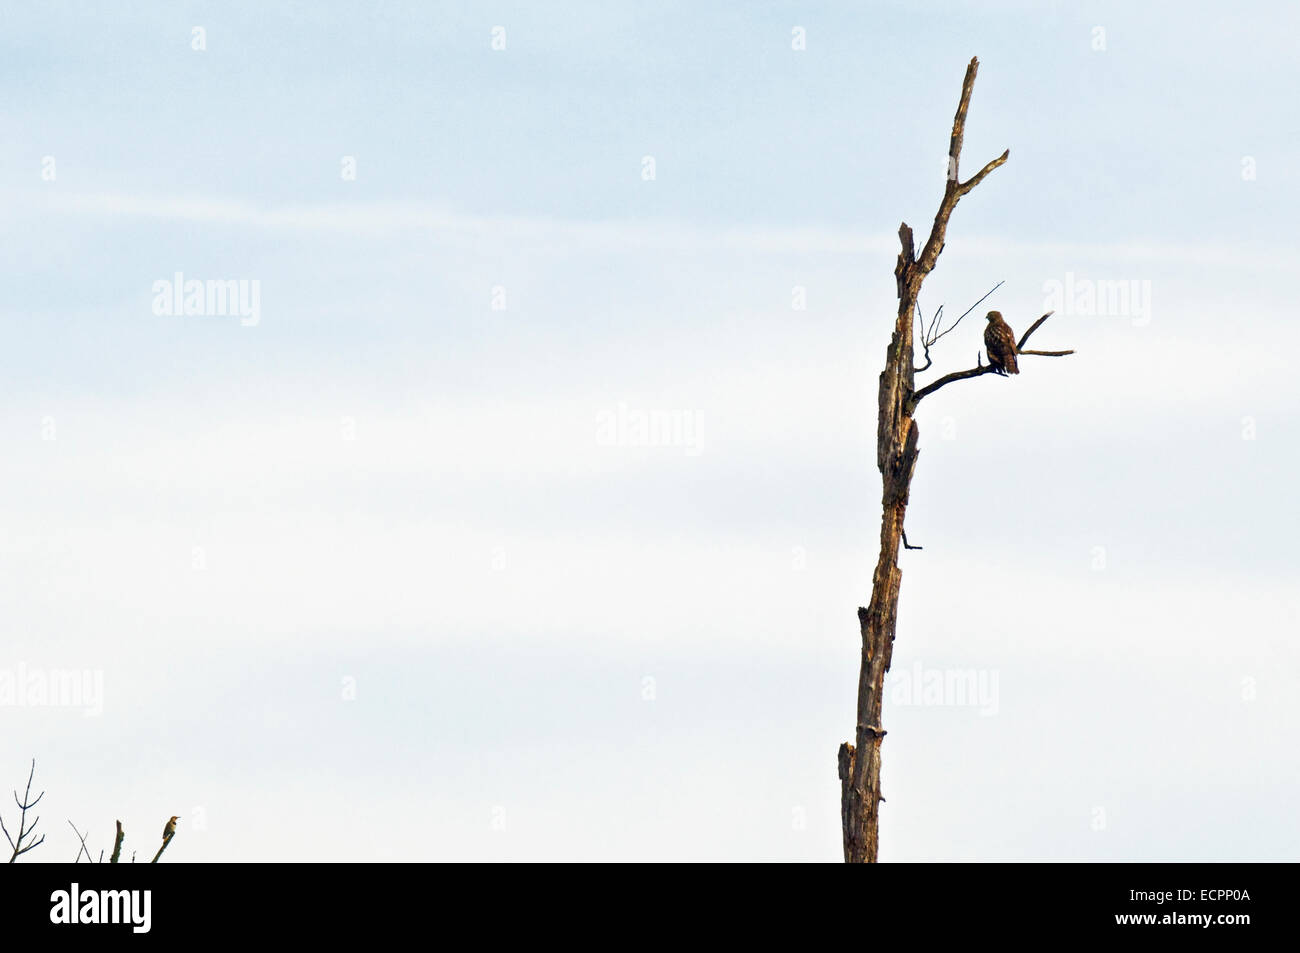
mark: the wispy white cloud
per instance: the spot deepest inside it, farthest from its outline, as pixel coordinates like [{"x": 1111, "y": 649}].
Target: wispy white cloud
[{"x": 387, "y": 216}]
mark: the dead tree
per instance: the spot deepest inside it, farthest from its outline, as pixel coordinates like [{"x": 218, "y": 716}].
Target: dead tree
[{"x": 896, "y": 452}]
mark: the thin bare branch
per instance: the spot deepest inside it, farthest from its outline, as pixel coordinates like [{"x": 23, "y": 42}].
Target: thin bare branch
[
  {"x": 950, "y": 378},
  {"x": 925, "y": 336},
  {"x": 935, "y": 340},
  {"x": 24, "y": 805},
  {"x": 1032, "y": 328},
  {"x": 938, "y": 315},
  {"x": 979, "y": 176},
  {"x": 166, "y": 841},
  {"x": 84, "y": 849}
]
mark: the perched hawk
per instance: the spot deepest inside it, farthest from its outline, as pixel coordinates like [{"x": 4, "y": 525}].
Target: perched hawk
[{"x": 1000, "y": 342}]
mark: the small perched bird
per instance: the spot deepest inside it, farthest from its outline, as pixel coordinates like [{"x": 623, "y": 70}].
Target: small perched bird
[
  {"x": 170, "y": 829},
  {"x": 1000, "y": 342}
]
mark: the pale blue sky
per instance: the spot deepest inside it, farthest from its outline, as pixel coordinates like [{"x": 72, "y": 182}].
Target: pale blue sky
[{"x": 498, "y": 582}]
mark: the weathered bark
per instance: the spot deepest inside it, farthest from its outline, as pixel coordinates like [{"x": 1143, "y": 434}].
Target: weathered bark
[{"x": 896, "y": 453}]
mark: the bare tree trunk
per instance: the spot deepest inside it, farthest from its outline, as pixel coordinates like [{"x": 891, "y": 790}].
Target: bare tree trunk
[{"x": 896, "y": 452}]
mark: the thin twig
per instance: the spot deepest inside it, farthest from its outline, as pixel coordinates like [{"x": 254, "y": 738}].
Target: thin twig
[
  {"x": 934, "y": 324},
  {"x": 23, "y": 830},
  {"x": 925, "y": 336},
  {"x": 83, "y": 844},
  {"x": 935, "y": 340}
]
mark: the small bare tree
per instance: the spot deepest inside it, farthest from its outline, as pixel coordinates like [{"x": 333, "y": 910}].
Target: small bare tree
[
  {"x": 896, "y": 453},
  {"x": 24, "y": 832}
]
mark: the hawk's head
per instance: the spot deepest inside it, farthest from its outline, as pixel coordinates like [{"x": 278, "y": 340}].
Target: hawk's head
[{"x": 994, "y": 316}]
